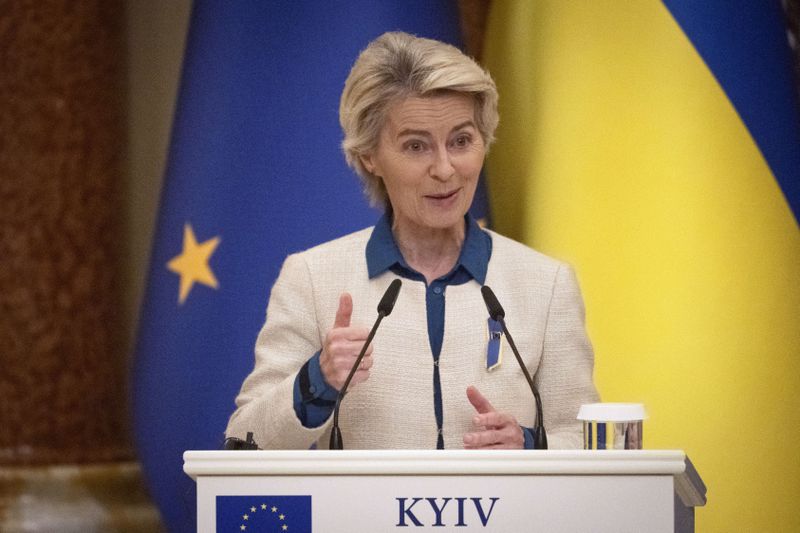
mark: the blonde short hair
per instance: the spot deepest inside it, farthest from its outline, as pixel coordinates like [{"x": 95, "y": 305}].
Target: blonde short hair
[{"x": 397, "y": 65}]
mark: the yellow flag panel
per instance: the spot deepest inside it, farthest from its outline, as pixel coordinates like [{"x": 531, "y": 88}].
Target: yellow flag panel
[{"x": 619, "y": 152}]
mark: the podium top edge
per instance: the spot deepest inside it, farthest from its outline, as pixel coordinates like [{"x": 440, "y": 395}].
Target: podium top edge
[
  {"x": 433, "y": 462},
  {"x": 438, "y": 454}
]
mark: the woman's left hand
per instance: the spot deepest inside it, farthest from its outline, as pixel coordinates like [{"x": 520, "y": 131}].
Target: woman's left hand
[{"x": 493, "y": 430}]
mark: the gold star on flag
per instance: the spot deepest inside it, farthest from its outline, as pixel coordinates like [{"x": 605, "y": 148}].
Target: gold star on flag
[
  {"x": 263, "y": 506},
  {"x": 284, "y": 527},
  {"x": 282, "y": 516},
  {"x": 192, "y": 264},
  {"x": 252, "y": 509},
  {"x": 243, "y": 527},
  {"x": 245, "y": 517},
  {"x": 274, "y": 509}
]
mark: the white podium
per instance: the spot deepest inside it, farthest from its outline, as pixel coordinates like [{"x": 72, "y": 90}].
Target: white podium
[{"x": 445, "y": 490}]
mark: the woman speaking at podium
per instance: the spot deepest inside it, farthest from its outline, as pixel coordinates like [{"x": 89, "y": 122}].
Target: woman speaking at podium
[{"x": 418, "y": 118}]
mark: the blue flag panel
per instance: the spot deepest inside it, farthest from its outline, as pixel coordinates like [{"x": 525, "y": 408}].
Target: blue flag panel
[
  {"x": 264, "y": 513},
  {"x": 745, "y": 45},
  {"x": 255, "y": 172}
]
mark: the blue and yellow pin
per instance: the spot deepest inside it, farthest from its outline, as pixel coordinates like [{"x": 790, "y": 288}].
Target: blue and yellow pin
[{"x": 494, "y": 346}]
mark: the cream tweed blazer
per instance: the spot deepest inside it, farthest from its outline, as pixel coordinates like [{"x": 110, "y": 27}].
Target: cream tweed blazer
[{"x": 394, "y": 407}]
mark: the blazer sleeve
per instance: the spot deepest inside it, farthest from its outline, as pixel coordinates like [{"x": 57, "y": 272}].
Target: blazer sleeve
[
  {"x": 564, "y": 376},
  {"x": 290, "y": 336}
]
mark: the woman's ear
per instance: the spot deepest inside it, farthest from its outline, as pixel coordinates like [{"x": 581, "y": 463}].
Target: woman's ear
[{"x": 368, "y": 162}]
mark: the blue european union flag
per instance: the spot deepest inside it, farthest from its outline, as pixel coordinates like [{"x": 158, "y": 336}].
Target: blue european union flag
[
  {"x": 255, "y": 172},
  {"x": 264, "y": 514}
]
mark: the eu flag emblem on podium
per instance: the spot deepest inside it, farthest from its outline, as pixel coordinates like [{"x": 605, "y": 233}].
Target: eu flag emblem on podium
[{"x": 264, "y": 514}]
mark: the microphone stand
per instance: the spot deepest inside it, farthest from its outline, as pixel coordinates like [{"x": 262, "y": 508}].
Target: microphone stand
[
  {"x": 385, "y": 307},
  {"x": 336, "y": 442},
  {"x": 497, "y": 313},
  {"x": 539, "y": 434}
]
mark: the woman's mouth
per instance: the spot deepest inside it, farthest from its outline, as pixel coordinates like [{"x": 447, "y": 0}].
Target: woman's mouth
[
  {"x": 444, "y": 195},
  {"x": 444, "y": 199}
]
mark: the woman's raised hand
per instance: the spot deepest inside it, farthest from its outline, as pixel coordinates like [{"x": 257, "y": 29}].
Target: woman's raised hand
[
  {"x": 492, "y": 429},
  {"x": 342, "y": 346}
]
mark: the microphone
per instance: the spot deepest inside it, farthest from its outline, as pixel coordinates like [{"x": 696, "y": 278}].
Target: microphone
[
  {"x": 385, "y": 307},
  {"x": 234, "y": 443},
  {"x": 497, "y": 313}
]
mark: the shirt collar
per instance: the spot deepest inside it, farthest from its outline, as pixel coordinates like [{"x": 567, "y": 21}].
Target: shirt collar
[{"x": 382, "y": 251}]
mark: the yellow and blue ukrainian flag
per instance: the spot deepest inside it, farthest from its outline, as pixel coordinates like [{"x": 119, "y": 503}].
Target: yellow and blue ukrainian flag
[
  {"x": 255, "y": 172},
  {"x": 656, "y": 146}
]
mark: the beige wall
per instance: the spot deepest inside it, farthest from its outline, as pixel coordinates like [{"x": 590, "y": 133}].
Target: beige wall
[{"x": 156, "y": 35}]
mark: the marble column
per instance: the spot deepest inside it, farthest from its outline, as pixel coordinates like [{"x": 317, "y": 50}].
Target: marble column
[{"x": 66, "y": 461}]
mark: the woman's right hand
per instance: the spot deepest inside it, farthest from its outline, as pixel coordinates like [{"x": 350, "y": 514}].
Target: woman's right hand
[{"x": 342, "y": 346}]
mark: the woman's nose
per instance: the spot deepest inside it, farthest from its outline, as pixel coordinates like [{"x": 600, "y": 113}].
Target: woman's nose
[{"x": 442, "y": 168}]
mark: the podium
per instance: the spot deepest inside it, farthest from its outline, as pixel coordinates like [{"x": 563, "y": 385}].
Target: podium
[{"x": 445, "y": 490}]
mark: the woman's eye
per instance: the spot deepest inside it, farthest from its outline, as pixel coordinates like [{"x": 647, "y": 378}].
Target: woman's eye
[
  {"x": 462, "y": 141},
  {"x": 414, "y": 146}
]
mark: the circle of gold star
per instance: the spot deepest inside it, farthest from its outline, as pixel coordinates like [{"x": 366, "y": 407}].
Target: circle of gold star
[{"x": 274, "y": 509}]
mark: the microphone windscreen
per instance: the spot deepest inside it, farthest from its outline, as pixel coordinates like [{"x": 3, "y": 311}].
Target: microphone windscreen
[
  {"x": 492, "y": 305},
  {"x": 389, "y": 298}
]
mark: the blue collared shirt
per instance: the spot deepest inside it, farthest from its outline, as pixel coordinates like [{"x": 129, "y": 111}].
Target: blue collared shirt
[{"x": 314, "y": 399}]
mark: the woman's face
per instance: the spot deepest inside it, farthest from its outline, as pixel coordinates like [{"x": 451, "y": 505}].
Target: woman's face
[{"x": 429, "y": 156}]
